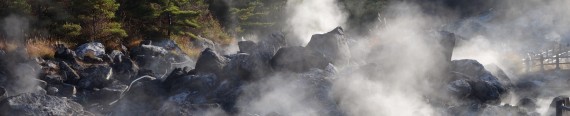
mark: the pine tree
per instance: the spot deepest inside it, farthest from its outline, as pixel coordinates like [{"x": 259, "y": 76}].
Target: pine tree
[
  {"x": 97, "y": 19},
  {"x": 160, "y": 18}
]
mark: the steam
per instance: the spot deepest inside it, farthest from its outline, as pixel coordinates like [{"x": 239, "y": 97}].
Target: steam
[
  {"x": 406, "y": 52},
  {"x": 307, "y": 17},
  {"x": 21, "y": 73}
]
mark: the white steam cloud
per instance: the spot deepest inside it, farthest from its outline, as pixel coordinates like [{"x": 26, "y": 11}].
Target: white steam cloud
[{"x": 308, "y": 17}]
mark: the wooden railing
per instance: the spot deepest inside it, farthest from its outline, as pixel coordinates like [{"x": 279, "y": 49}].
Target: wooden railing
[{"x": 554, "y": 57}]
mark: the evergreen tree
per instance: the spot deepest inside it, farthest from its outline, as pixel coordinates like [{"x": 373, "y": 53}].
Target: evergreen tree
[
  {"x": 97, "y": 19},
  {"x": 160, "y": 18}
]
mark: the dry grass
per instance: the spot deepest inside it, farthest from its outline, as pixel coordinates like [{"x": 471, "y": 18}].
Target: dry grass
[
  {"x": 41, "y": 48},
  {"x": 186, "y": 46}
]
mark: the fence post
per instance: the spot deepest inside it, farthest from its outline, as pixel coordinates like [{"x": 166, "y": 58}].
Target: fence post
[
  {"x": 558, "y": 56},
  {"x": 529, "y": 62},
  {"x": 542, "y": 61}
]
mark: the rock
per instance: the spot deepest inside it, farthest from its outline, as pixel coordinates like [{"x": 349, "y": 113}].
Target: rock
[
  {"x": 3, "y": 93},
  {"x": 107, "y": 94},
  {"x": 195, "y": 85},
  {"x": 240, "y": 66},
  {"x": 460, "y": 88},
  {"x": 247, "y": 46},
  {"x": 93, "y": 50},
  {"x": 144, "y": 97},
  {"x": 528, "y": 104},
  {"x": 486, "y": 92},
  {"x": 333, "y": 45},
  {"x": 71, "y": 76},
  {"x": 269, "y": 46},
  {"x": 124, "y": 67},
  {"x": 485, "y": 87},
  {"x": 39, "y": 104},
  {"x": 65, "y": 90},
  {"x": 210, "y": 62},
  {"x": 64, "y": 53},
  {"x": 96, "y": 76},
  {"x": 298, "y": 59}
]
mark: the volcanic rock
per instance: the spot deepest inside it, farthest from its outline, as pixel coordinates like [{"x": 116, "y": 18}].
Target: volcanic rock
[
  {"x": 485, "y": 86},
  {"x": 64, "y": 53},
  {"x": 96, "y": 76},
  {"x": 210, "y": 62},
  {"x": 298, "y": 59},
  {"x": 71, "y": 76},
  {"x": 93, "y": 50},
  {"x": 39, "y": 104},
  {"x": 333, "y": 45},
  {"x": 246, "y": 46}
]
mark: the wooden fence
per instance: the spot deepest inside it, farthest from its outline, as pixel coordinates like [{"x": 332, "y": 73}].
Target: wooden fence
[{"x": 557, "y": 57}]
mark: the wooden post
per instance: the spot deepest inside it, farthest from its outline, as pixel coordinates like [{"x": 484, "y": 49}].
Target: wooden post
[
  {"x": 528, "y": 62},
  {"x": 558, "y": 57},
  {"x": 542, "y": 61}
]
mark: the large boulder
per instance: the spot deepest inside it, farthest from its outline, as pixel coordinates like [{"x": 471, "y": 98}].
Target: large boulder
[
  {"x": 92, "y": 50},
  {"x": 298, "y": 59},
  {"x": 40, "y": 104},
  {"x": 247, "y": 46},
  {"x": 333, "y": 45},
  {"x": 96, "y": 76},
  {"x": 211, "y": 62},
  {"x": 485, "y": 87},
  {"x": 62, "y": 52},
  {"x": 123, "y": 67}
]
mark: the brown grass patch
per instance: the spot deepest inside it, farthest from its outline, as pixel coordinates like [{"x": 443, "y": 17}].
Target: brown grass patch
[
  {"x": 41, "y": 48},
  {"x": 186, "y": 46}
]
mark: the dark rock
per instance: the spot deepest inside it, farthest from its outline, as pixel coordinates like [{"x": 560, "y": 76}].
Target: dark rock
[
  {"x": 106, "y": 95},
  {"x": 52, "y": 90},
  {"x": 485, "y": 87},
  {"x": 3, "y": 93},
  {"x": 210, "y": 62},
  {"x": 71, "y": 76},
  {"x": 528, "y": 104},
  {"x": 246, "y": 46},
  {"x": 144, "y": 97},
  {"x": 240, "y": 66},
  {"x": 486, "y": 92},
  {"x": 460, "y": 88},
  {"x": 298, "y": 59},
  {"x": 123, "y": 67},
  {"x": 64, "y": 53},
  {"x": 39, "y": 104},
  {"x": 333, "y": 45},
  {"x": 65, "y": 90},
  {"x": 96, "y": 76}
]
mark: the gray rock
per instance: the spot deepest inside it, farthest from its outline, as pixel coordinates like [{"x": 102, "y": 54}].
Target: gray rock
[
  {"x": 71, "y": 76},
  {"x": 39, "y": 104},
  {"x": 64, "y": 53},
  {"x": 210, "y": 62},
  {"x": 485, "y": 87},
  {"x": 247, "y": 46},
  {"x": 460, "y": 88},
  {"x": 333, "y": 45},
  {"x": 96, "y": 76},
  {"x": 93, "y": 49},
  {"x": 298, "y": 59}
]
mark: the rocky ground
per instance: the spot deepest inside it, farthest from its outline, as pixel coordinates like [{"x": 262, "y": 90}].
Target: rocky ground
[{"x": 156, "y": 78}]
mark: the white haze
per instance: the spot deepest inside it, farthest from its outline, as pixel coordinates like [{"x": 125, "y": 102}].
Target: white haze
[
  {"x": 408, "y": 50},
  {"x": 23, "y": 74},
  {"x": 408, "y": 54},
  {"x": 308, "y": 17}
]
